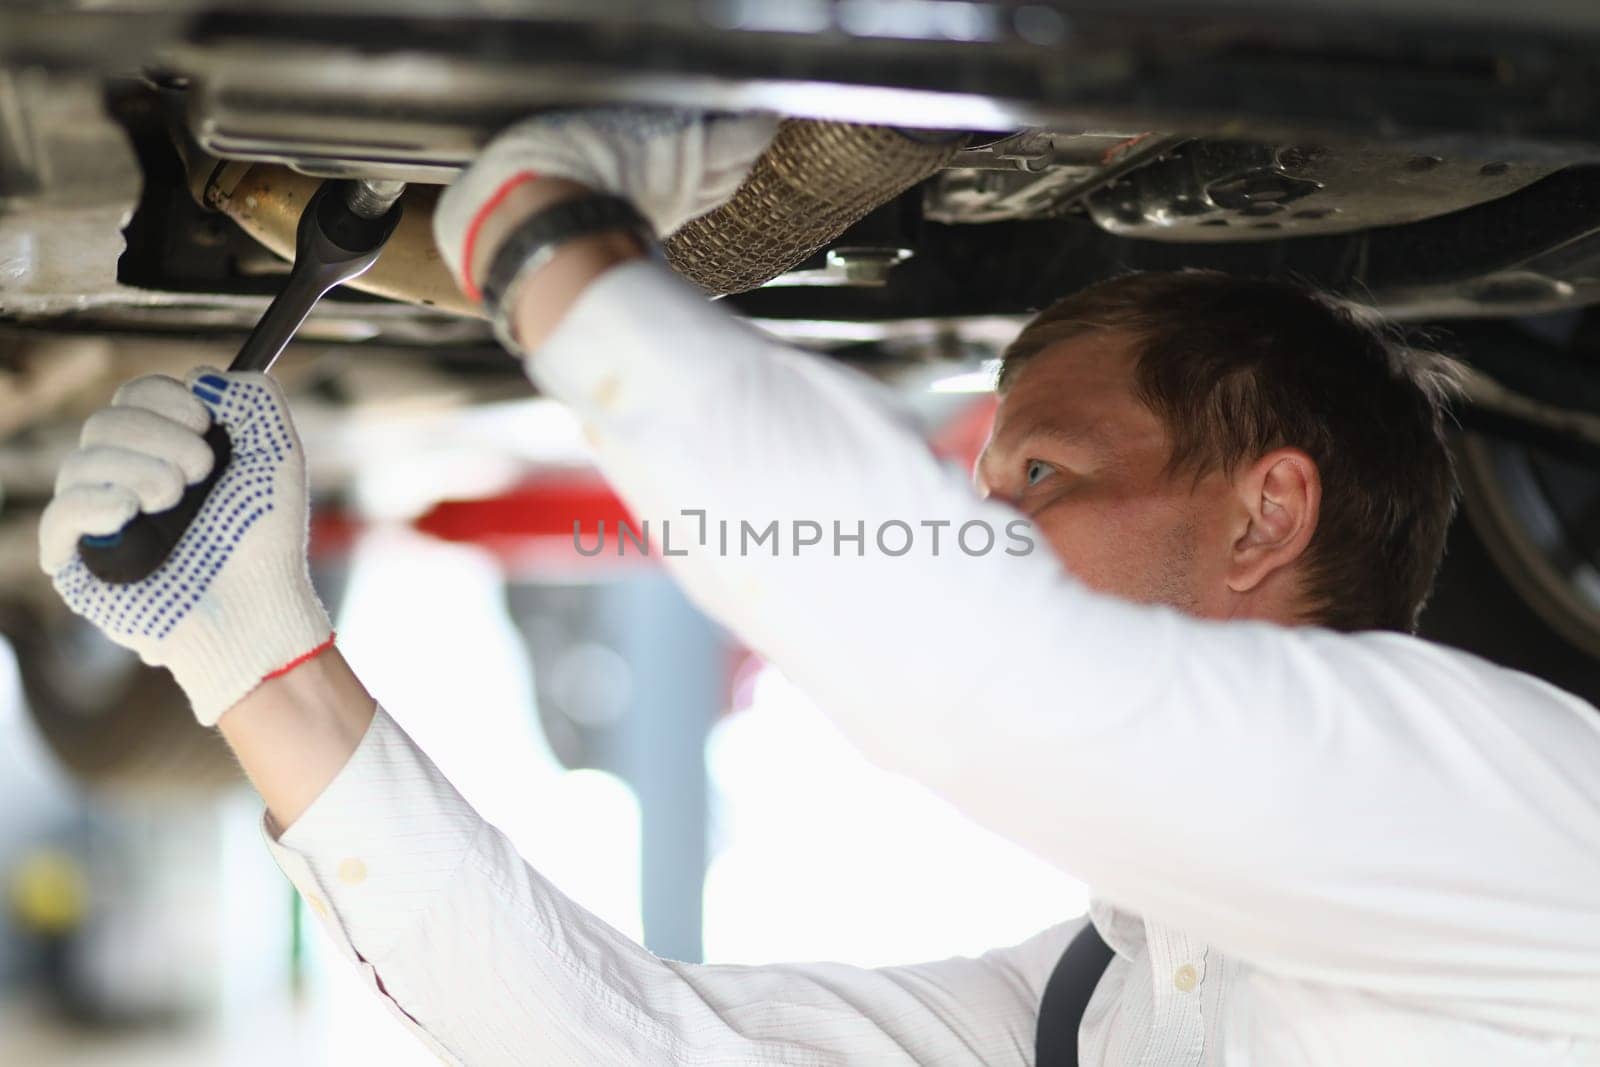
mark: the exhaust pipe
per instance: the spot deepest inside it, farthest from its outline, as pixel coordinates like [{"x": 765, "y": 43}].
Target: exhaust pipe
[
  {"x": 266, "y": 201},
  {"x": 813, "y": 182}
]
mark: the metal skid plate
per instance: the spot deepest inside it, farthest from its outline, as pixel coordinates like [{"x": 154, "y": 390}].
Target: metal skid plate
[
  {"x": 1165, "y": 187},
  {"x": 1035, "y": 173},
  {"x": 1240, "y": 191}
]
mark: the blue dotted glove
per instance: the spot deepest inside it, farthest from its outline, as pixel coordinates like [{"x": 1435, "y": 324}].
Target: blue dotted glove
[{"x": 233, "y": 604}]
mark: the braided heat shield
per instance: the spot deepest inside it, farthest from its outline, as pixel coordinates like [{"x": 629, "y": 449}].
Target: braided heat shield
[{"x": 811, "y": 184}]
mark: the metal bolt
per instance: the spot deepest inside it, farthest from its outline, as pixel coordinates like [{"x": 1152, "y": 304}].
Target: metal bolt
[
  {"x": 866, "y": 266},
  {"x": 371, "y": 198}
]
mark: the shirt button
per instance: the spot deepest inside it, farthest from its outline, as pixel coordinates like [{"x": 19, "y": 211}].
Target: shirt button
[
  {"x": 607, "y": 392},
  {"x": 1185, "y": 978},
  {"x": 352, "y": 871}
]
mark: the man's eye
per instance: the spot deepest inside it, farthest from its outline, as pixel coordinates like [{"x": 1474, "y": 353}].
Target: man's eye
[{"x": 1035, "y": 471}]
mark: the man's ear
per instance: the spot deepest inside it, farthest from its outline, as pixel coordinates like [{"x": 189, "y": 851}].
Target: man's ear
[{"x": 1281, "y": 496}]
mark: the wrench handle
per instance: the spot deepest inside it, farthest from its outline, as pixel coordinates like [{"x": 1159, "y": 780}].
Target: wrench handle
[
  {"x": 333, "y": 244},
  {"x": 282, "y": 318},
  {"x": 134, "y": 552}
]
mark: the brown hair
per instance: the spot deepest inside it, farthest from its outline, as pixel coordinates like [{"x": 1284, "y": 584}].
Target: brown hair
[{"x": 1236, "y": 367}]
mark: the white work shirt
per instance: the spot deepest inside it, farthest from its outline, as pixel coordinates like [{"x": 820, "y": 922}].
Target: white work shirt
[{"x": 1307, "y": 848}]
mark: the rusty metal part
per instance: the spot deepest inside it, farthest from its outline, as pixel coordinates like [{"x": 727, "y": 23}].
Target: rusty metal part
[
  {"x": 266, "y": 201},
  {"x": 813, "y": 181}
]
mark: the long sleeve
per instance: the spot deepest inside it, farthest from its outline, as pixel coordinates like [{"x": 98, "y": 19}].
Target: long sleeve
[
  {"x": 1366, "y": 810},
  {"x": 490, "y": 964}
]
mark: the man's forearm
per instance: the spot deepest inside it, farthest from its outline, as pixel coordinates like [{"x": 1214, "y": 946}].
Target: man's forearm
[{"x": 294, "y": 733}]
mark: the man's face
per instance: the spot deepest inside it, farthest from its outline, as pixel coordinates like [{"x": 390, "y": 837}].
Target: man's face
[{"x": 1078, "y": 453}]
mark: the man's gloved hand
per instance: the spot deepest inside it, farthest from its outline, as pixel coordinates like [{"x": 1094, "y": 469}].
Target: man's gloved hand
[
  {"x": 673, "y": 165},
  {"x": 233, "y": 604}
]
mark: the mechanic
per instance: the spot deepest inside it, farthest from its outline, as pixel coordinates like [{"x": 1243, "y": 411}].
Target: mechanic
[{"x": 1312, "y": 838}]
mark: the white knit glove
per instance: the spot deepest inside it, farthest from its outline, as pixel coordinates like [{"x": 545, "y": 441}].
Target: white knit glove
[
  {"x": 233, "y": 604},
  {"x": 673, "y": 165}
]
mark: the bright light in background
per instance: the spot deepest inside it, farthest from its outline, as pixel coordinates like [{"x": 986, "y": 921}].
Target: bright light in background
[
  {"x": 440, "y": 652},
  {"x": 826, "y": 857},
  {"x": 981, "y": 380},
  {"x": 401, "y": 458},
  {"x": 28, "y": 771}
]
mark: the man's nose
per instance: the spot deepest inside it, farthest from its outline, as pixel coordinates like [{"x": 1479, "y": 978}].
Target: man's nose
[
  {"x": 988, "y": 492},
  {"x": 980, "y": 484}
]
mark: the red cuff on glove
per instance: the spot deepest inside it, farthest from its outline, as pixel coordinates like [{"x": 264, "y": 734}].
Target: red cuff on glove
[
  {"x": 306, "y": 657},
  {"x": 468, "y": 285}
]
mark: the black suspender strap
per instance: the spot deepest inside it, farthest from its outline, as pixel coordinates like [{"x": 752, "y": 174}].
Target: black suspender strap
[{"x": 1066, "y": 996}]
